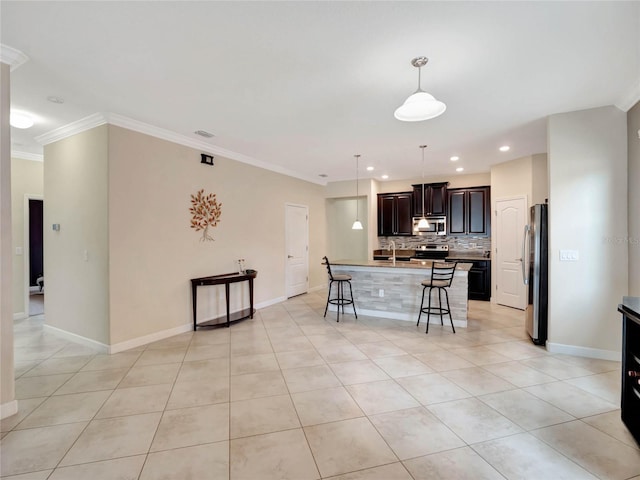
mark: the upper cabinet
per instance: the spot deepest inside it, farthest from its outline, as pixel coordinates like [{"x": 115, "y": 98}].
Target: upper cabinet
[
  {"x": 395, "y": 214},
  {"x": 469, "y": 211},
  {"x": 435, "y": 199}
]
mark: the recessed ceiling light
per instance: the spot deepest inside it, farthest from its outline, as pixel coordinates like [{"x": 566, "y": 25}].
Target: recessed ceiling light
[
  {"x": 459, "y": 169},
  {"x": 203, "y": 133},
  {"x": 54, "y": 99},
  {"x": 21, "y": 120},
  {"x": 454, "y": 158},
  {"x": 504, "y": 148},
  {"x": 369, "y": 169},
  {"x": 384, "y": 177}
]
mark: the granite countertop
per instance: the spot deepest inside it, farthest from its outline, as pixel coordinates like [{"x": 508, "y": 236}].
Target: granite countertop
[
  {"x": 419, "y": 264},
  {"x": 630, "y": 306}
]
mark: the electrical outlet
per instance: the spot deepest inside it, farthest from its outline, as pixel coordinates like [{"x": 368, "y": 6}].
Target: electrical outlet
[
  {"x": 569, "y": 255},
  {"x": 381, "y": 293}
]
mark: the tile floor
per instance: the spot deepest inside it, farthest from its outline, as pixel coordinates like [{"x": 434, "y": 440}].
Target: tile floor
[{"x": 290, "y": 395}]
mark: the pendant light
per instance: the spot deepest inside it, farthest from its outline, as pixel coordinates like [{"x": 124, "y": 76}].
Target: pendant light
[
  {"x": 423, "y": 223},
  {"x": 357, "y": 225},
  {"x": 420, "y": 105}
]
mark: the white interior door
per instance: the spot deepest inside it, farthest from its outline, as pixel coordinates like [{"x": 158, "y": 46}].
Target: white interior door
[
  {"x": 511, "y": 217},
  {"x": 297, "y": 240}
]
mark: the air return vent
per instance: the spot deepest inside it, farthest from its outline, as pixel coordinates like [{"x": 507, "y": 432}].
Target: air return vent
[{"x": 202, "y": 133}]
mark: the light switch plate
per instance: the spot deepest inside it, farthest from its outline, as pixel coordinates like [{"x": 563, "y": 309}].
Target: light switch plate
[{"x": 569, "y": 255}]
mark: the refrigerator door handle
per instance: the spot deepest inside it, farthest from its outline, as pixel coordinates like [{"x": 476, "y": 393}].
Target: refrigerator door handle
[{"x": 525, "y": 237}]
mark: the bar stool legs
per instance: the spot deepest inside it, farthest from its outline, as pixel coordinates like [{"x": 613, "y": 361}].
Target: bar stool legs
[
  {"x": 439, "y": 310},
  {"x": 340, "y": 301}
]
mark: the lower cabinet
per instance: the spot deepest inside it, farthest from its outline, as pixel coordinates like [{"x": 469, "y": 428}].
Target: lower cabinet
[{"x": 480, "y": 280}]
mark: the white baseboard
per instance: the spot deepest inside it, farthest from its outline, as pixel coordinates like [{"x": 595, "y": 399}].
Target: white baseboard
[
  {"x": 578, "y": 351},
  {"x": 407, "y": 317},
  {"x": 8, "y": 409},
  {"x": 268, "y": 303},
  {"x": 152, "y": 337},
  {"x": 20, "y": 316},
  {"x": 73, "y": 337}
]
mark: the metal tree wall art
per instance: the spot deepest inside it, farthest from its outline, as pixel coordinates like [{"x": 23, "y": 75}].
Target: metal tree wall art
[{"x": 205, "y": 212}]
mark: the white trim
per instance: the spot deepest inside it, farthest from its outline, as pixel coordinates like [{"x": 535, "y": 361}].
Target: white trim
[
  {"x": 152, "y": 337},
  {"x": 12, "y": 56},
  {"x": 630, "y": 99},
  {"x": 72, "y": 128},
  {"x": 25, "y": 248},
  {"x": 587, "y": 352},
  {"x": 407, "y": 317},
  {"x": 8, "y": 409},
  {"x": 268, "y": 303},
  {"x": 88, "y": 342},
  {"x": 36, "y": 157},
  {"x": 20, "y": 316},
  {"x": 98, "y": 119}
]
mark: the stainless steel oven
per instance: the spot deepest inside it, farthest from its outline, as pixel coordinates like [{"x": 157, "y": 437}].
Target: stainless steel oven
[{"x": 437, "y": 226}]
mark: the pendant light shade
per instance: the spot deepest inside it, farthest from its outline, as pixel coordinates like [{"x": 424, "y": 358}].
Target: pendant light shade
[
  {"x": 357, "y": 225},
  {"x": 420, "y": 105}
]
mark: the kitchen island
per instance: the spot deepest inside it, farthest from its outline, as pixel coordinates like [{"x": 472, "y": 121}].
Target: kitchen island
[{"x": 382, "y": 289}]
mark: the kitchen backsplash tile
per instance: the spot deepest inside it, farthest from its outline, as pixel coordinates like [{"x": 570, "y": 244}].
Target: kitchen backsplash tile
[{"x": 456, "y": 244}]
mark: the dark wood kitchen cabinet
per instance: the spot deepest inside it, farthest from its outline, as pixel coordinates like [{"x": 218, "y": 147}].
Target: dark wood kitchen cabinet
[
  {"x": 435, "y": 199},
  {"x": 395, "y": 214},
  {"x": 480, "y": 280},
  {"x": 469, "y": 211}
]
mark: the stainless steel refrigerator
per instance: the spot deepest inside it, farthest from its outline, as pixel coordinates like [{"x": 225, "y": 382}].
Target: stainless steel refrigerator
[{"x": 535, "y": 272}]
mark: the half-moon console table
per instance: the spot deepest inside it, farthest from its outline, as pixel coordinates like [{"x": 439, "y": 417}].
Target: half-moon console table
[{"x": 225, "y": 279}]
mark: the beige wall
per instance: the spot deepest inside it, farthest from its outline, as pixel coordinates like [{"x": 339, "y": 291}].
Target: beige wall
[
  {"x": 539, "y": 179},
  {"x": 76, "y": 258},
  {"x": 154, "y": 253},
  {"x": 587, "y": 213},
  {"x": 343, "y": 242},
  {"x": 8, "y": 405},
  {"x": 455, "y": 181},
  {"x": 633, "y": 129},
  {"x": 512, "y": 178},
  {"x": 26, "y": 179}
]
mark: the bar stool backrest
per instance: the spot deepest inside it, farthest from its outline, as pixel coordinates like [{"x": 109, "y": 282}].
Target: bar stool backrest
[
  {"x": 326, "y": 262},
  {"x": 443, "y": 272}
]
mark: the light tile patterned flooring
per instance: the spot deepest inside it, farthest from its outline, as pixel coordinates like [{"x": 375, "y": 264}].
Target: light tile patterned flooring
[{"x": 290, "y": 395}]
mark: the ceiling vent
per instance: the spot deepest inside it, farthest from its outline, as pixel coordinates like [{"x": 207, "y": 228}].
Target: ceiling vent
[{"x": 204, "y": 134}]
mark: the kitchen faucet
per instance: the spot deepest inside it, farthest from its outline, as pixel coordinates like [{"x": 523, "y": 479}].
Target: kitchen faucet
[{"x": 393, "y": 244}]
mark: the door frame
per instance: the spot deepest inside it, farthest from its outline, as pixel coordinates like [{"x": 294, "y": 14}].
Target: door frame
[
  {"x": 286, "y": 246},
  {"x": 26, "y": 248},
  {"x": 494, "y": 238}
]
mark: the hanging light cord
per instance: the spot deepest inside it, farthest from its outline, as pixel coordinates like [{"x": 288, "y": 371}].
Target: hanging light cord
[
  {"x": 357, "y": 191},
  {"x": 422, "y": 147}
]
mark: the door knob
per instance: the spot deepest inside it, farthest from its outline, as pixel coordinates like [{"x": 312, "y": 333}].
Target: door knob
[{"x": 518, "y": 259}]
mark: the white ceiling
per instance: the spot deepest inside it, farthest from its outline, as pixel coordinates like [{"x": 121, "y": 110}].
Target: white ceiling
[{"x": 306, "y": 85}]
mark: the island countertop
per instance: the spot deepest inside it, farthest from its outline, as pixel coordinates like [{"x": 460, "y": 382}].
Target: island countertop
[
  {"x": 382, "y": 289},
  {"x": 413, "y": 264}
]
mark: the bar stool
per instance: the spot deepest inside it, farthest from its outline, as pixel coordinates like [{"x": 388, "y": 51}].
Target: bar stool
[
  {"x": 339, "y": 301},
  {"x": 441, "y": 278}
]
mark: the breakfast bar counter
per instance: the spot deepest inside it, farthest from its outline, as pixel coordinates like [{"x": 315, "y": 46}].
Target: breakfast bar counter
[{"x": 388, "y": 290}]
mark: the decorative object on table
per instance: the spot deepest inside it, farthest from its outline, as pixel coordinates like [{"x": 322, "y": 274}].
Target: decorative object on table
[
  {"x": 205, "y": 213},
  {"x": 357, "y": 225},
  {"x": 420, "y": 105},
  {"x": 241, "y": 268}
]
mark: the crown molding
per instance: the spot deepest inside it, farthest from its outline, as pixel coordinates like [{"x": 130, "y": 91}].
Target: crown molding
[
  {"x": 72, "y": 128},
  {"x": 36, "y": 157},
  {"x": 117, "y": 120},
  {"x": 630, "y": 99},
  {"x": 12, "y": 57}
]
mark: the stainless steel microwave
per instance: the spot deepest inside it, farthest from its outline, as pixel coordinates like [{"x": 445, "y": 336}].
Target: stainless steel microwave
[{"x": 437, "y": 226}]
